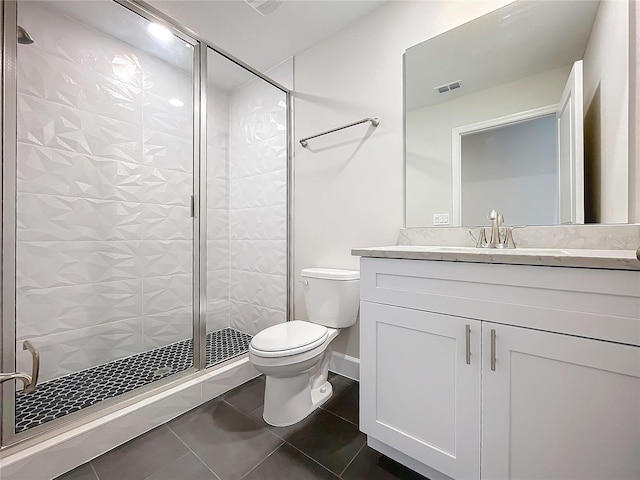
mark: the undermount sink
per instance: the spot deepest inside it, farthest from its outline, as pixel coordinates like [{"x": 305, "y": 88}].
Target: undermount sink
[{"x": 500, "y": 251}]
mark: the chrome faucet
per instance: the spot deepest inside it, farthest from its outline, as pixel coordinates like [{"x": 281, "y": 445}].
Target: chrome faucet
[
  {"x": 496, "y": 222},
  {"x": 496, "y": 238}
]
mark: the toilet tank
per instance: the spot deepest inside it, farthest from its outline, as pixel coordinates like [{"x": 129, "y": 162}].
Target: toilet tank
[{"x": 332, "y": 296}]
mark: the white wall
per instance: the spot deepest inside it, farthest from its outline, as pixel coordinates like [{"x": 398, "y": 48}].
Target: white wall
[
  {"x": 349, "y": 185},
  {"x": 606, "y": 108},
  {"x": 428, "y": 130}
]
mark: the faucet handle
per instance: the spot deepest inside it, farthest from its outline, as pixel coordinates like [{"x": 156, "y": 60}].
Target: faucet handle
[
  {"x": 493, "y": 215},
  {"x": 482, "y": 238},
  {"x": 508, "y": 238}
]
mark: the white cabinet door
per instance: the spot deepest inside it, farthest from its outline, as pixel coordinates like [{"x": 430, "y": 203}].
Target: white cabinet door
[
  {"x": 559, "y": 407},
  {"x": 418, "y": 393}
]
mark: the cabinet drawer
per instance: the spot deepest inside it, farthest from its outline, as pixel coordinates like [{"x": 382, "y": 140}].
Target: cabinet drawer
[{"x": 601, "y": 304}]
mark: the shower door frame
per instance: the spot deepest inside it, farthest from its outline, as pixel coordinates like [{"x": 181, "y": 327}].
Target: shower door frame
[{"x": 8, "y": 143}]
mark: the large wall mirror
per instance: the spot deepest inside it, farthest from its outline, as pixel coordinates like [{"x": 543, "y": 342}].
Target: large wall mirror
[{"x": 524, "y": 110}]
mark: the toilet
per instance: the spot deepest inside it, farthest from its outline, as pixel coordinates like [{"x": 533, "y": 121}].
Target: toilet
[{"x": 295, "y": 355}]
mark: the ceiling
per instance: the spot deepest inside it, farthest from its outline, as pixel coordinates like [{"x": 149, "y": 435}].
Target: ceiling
[{"x": 265, "y": 41}]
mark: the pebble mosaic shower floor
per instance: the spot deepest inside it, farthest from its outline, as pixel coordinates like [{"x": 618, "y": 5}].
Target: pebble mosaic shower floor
[{"x": 62, "y": 396}]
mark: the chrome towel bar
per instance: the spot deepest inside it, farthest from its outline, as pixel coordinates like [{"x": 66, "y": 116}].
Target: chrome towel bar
[{"x": 374, "y": 121}]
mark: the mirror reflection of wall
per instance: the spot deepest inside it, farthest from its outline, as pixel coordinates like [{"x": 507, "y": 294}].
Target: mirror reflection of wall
[{"x": 518, "y": 59}]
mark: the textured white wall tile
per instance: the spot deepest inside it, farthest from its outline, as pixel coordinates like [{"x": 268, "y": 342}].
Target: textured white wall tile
[
  {"x": 52, "y": 125},
  {"x": 44, "y": 311},
  {"x": 218, "y": 314},
  {"x": 57, "y": 264},
  {"x": 167, "y": 257},
  {"x": 162, "y": 294},
  {"x": 251, "y": 319},
  {"x": 166, "y": 151},
  {"x": 167, "y": 222},
  {"x": 51, "y": 218},
  {"x": 261, "y": 289},
  {"x": 164, "y": 328},
  {"x": 218, "y": 282},
  {"x": 218, "y": 255},
  {"x": 260, "y": 223},
  {"x": 264, "y": 256},
  {"x": 56, "y": 172},
  {"x": 260, "y": 190},
  {"x": 104, "y": 186},
  {"x": 79, "y": 349}
]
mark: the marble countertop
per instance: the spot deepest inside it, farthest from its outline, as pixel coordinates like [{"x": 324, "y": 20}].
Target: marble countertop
[{"x": 554, "y": 257}]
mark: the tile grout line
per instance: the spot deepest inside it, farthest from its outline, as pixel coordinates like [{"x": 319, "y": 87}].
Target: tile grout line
[
  {"x": 94, "y": 469},
  {"x": 354, "y": 457},
  {"x": 190, "y": 450},
  {"x": 263, "y": 460},
  {"x": 312, "y": 459}
]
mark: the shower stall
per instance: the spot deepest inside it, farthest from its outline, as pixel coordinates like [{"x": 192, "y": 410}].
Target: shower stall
[{"x": 145, "y": 219}]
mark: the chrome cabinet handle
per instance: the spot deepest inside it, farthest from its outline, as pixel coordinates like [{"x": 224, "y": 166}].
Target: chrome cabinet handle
[
  {"x": 493, "y": 350},
  {"x": 35, "y": 368},
  {"x": 467, "y": 331}
]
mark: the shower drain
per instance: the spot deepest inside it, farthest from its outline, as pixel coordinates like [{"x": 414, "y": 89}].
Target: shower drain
[{"x": 162, "y": 371}]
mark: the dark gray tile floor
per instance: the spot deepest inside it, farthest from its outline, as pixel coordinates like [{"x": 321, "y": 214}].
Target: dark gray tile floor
[{"x": 226, "y": 439}]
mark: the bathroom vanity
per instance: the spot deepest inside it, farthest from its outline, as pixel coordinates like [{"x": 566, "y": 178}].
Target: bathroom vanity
[{"x": 496, "y": 365}]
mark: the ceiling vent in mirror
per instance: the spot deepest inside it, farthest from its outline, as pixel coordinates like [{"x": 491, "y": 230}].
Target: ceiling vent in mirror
[
  {"x": 265, "y": 7},
  {"x": 449, "y": 86}
]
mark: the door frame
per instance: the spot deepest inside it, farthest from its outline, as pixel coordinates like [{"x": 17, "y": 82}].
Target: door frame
[{"x": 485, "y": 125}]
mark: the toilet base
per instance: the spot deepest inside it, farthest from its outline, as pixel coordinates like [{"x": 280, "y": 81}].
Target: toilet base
[{"x": 289, "y": 400}]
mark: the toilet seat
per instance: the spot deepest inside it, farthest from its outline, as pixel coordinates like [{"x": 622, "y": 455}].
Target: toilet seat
[{"x": 288, "y": 338}]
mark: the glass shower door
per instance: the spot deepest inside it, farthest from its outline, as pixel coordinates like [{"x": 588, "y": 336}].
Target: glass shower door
[{"x": 102, "y": 185}]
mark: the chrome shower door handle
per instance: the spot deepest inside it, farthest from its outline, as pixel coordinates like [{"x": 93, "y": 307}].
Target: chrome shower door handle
[
  {"x": 26, "y": 379},
  {"x": 29, "y": 381},
  {"x": 35, "y": 368}
]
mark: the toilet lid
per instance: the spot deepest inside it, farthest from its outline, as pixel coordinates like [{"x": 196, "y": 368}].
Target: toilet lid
[{"x": 296, "y": 335}]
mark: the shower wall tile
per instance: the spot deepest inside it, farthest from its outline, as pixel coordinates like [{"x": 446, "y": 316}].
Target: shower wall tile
[
  {"x": 168, "y": 222},
  {"x": 104, "y": 183},
  {"x": 218, "y": 284},
  {"x": 262, "y": 256},
  {"x": 55, "y": 172},
  {"x": 167, "y": 257},
  {"x": 58, "y": 218},
  {"x": 163, "y": 328},
  {"x": 58, "y": 264},
  {"x": 161, "y": 85},
  {"x": 257, "y": 207},
  {"x": 218, "y": 255},
  {"x": 259, "y": 223},
  {"x": 74, "y": 85},
  {"x": 79, "y": 349},
  {"x": 166, "y": 151},
  {"x": 266, "y": 189},
  {"x": 53, "y": 125},
  {"x": 252, "y": 319},
  {"x": 43, "y": 311},
  {"x": 161, "y": 294},
  {"x": 218, "y": 314},
  {"x": 260, "y": 289}
]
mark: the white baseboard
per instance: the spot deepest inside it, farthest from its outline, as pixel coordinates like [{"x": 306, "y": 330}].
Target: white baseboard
[
  {"x": 57, "y": 455},
  {"x": 345, "y": 365}
]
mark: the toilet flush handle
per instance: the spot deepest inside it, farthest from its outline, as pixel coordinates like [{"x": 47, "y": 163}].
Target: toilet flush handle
[{"x": 304, "y": 281}]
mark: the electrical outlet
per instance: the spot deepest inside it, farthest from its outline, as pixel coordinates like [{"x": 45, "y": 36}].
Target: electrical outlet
[{"x": 441, "y": 219}]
